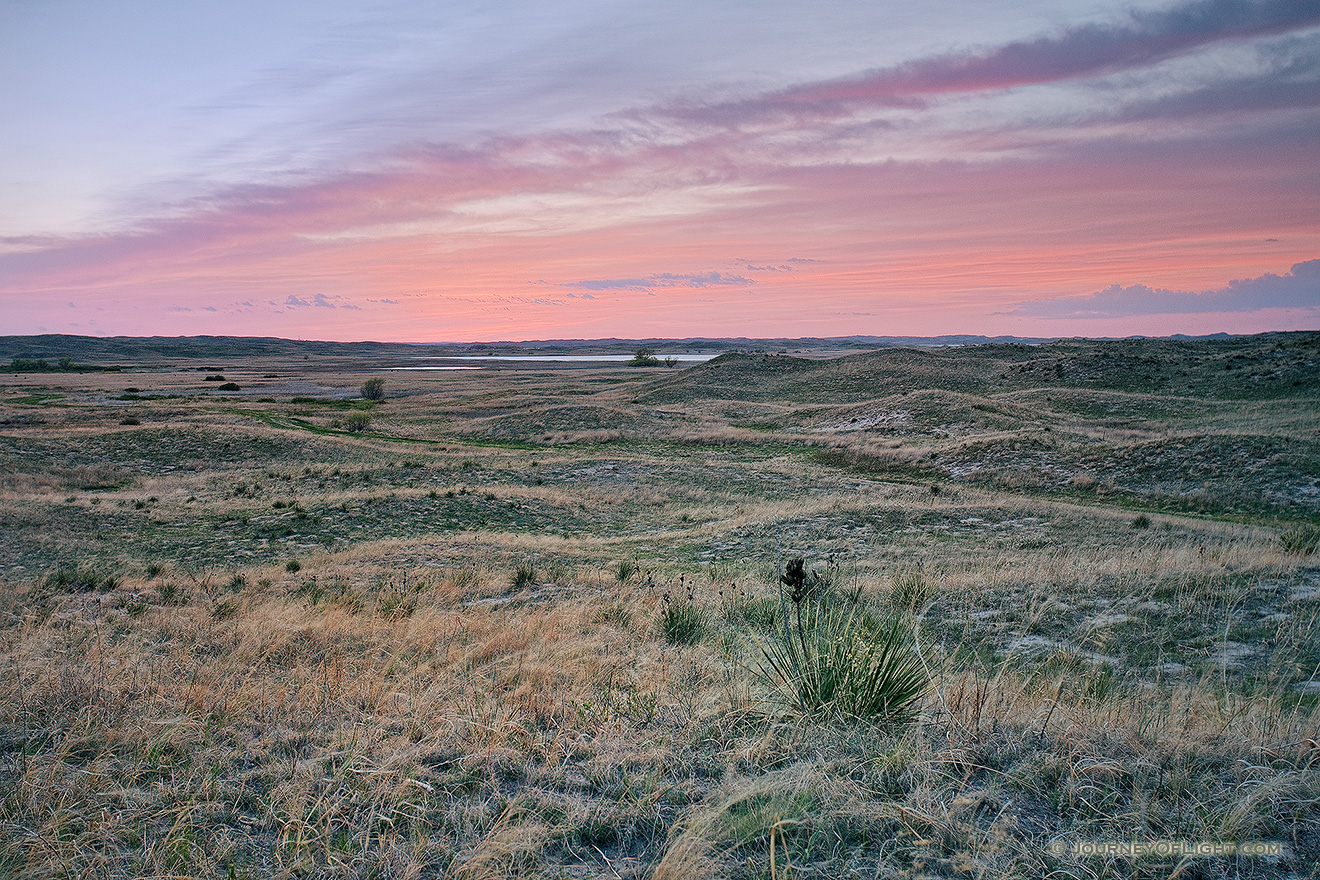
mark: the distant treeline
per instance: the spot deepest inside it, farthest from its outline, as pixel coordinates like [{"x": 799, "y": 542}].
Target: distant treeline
[{"x": 63, "y": 365}]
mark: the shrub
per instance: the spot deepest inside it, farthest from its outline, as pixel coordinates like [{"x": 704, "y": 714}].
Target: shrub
[
  {"x": 357, "y": 422},
  {"x": 130, "y": 420},
  {"x": 373, "y": 389},
  {"x": 230, "y": 386},
  {"x": 1141, "y": 522},
  {"x": 835, "y": 662},
  {"x": 644, "y": 357},
  {"x": 292, "y": 565}
]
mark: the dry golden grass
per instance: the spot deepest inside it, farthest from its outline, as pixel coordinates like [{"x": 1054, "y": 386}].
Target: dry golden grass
[{"x": 244, "y": 642}]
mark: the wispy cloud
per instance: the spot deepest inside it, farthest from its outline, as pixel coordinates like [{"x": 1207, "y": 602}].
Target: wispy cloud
[
  {"x": 1051, "y": 163},
  {"x": 1145, "y": 38},
  {"x": 662, "y": 280},
  {"x": 1298, "y": 289}
]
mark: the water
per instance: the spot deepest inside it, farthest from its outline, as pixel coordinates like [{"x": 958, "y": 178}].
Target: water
[{"x": 565, "y": 358}]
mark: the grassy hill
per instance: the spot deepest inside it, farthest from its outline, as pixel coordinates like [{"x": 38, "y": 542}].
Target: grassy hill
[{"x": 522, "y": 620}]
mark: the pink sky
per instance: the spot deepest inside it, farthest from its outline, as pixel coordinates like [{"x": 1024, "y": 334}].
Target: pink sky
[{"x": 1102, "y": 170}]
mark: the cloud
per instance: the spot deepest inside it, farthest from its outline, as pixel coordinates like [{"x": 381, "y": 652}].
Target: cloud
[
  {"x": 1300, "y": 288},
  {"x": 319, "y": 300},
  {"x": 956, "y": 180},
  {"x": 1146, "y": 38},
  {"x": 663, "y": 280}
]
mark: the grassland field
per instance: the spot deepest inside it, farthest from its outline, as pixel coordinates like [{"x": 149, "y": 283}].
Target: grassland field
[{"x": 512, "y": 621}]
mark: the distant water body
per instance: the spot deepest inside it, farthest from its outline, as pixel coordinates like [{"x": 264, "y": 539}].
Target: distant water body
[{"x": 566, "y": 358}]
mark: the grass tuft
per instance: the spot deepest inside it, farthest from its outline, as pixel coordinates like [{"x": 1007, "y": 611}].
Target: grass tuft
[
  {"x": 524, "y": 576},
  {"x": 682, "y": 623},
  {"x": 833, "y": 661},
  {"x": 1300, "y": 540}
]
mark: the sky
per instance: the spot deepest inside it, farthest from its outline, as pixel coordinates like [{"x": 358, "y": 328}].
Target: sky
[{"x": 414, "y": 170}]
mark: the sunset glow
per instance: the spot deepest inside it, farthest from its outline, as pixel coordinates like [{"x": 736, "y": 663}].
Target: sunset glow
[{"x": 432, "y": 172}]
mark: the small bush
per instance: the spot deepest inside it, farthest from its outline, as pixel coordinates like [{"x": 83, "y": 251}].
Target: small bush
[
  {"x": 214, "y": 378},
  {"x": 1301, "y": 539},
  {"x": 129, "y": 420},
  {"x": 1141, "y": 522},
  {"x": 524, "y": 576},
  {"x": 373, "y": 389},
  {"x": 682, "y": 623},
  {"x": 292, "y": 565},
  {"x": 644, "y": 357},
  {"x": 357, "y": 422},
  {"x": 229, "y": 386}
]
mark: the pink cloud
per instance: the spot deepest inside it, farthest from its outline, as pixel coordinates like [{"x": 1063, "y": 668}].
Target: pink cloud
[{"x": 436, "y": 236}]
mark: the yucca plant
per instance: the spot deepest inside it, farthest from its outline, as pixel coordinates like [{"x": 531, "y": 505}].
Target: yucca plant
[{"x": 833, "y": 661}]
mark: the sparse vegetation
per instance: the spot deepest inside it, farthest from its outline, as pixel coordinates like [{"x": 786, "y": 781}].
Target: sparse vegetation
[
  {"x": 541, "y": 622},
  {"x": 1301, "y": 539}
]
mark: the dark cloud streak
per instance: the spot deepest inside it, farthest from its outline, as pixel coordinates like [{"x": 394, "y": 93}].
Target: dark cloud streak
[
  {"x": 1087, "y": 50},
  {"x": 663, "y": 280},
  {"x": 1299, "y": 289}
]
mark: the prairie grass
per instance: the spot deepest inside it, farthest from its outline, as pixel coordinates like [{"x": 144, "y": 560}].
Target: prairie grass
[{"x": 444, "y": 652}]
